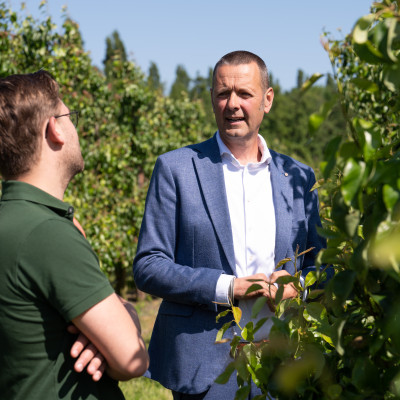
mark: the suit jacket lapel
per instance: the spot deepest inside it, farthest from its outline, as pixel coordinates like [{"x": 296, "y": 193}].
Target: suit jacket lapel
[
  {"x": 208, "y": 165},
  {"x": 282, "y": 193}
]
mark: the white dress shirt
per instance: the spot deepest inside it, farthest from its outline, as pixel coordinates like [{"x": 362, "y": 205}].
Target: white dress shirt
[{"x": 252, "y": 215}]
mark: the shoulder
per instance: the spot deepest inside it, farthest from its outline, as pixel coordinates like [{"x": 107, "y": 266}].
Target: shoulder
[
  {"x": 208, "y": 148},
  {"x": 290, "y": 164}
]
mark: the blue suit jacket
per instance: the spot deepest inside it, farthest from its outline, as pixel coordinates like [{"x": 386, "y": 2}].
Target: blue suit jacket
[{"x": 186, "y": 243}]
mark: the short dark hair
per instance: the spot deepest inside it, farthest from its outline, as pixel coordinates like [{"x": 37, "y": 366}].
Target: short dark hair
[
  {"x": 26, "y": 101},
  {"x": 244, "y": 57}
]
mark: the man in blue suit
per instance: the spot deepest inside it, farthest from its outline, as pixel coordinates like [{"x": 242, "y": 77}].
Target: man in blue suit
[{"x": 218, "y": 214}]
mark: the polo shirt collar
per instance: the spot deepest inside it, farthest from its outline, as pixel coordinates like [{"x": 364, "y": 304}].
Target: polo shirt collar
[{"x": 16, "y": 190}]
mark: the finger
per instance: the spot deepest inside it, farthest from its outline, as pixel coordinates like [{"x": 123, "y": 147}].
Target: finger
[
  {"x": 80, "y": 343},
  {"x": 96, "y": 367},
  {"x": 85, "y": 357},
  {"x": 72, "y": 329}
]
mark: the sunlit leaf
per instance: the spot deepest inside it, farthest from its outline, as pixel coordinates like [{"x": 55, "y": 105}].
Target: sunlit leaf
[
  {"x": 361, "y": 28},
  {"x": 222, "y": 314},
  {"x": 237, "y": 314},
  {"x": 247, "y": 332},
  {"x": 306, "y": 251},
  {"x": 352, "y": 178},
  {"x": 309, "y": 82},
  {"x": 310, "y": 279},
  {"x": 282, "y": 262},
  {"x": 222, "y": 331}
]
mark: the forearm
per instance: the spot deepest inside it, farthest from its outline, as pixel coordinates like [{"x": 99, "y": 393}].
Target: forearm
[{"x": 163, "y": 278}]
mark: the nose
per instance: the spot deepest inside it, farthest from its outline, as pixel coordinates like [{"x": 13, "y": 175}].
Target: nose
[{"x": 233, "y": 101}]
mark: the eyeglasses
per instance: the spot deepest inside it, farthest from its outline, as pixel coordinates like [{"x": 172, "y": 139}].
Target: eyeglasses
[{"x": 73, "y": 116}]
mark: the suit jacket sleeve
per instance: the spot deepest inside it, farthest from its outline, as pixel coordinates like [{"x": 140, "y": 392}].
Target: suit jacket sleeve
[{"x": 164, "y": 264}]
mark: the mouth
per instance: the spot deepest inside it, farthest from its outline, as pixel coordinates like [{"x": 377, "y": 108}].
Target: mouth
[{"x": 234, "y": 119}]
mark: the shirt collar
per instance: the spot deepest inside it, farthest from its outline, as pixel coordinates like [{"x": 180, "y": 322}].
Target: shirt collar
[
  {"x": 16, "y": 190},
  {"x": 262, "y": 146}
]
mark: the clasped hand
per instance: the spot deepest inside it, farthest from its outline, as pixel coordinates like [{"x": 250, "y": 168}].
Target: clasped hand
[{"x": 268, "y": 289}]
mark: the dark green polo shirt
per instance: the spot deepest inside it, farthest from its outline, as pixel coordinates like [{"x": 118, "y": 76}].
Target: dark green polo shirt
[{"x": 49, "y": 275}]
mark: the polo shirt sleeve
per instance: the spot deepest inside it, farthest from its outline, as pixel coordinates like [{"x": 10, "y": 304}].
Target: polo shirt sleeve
[{"x": 58, "y": 263}]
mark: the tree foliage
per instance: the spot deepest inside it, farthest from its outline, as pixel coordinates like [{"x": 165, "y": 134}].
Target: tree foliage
[
  {"x": 124, "y": 126},
  {"x": 115, "y": 51},
  {"x": 343, "y": 342}
]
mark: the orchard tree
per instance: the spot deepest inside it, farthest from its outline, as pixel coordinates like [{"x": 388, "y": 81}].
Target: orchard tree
[
  {"x": 344, "y": 342},
  {"x": 124, "y": 126}
]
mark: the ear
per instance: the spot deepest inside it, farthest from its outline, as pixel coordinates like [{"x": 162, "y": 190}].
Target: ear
[
  {"x": 268, "y": 99},
  {"x": 53, "y": 132}
]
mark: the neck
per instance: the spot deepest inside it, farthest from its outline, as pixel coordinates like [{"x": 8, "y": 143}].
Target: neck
[
  {"x": 245, "y": 151},
  {"x": 45, "y": 182}
]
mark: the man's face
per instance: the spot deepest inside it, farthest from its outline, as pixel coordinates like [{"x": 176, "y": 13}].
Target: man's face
[
  {"x": 239, "y": 101},
  {"x": 72, "y": 151}
]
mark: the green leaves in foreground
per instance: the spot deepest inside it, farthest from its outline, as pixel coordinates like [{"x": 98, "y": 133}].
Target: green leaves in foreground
[{"x": 343, "y": 341}]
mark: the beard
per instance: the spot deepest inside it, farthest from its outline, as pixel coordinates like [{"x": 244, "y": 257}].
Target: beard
[{"x": 73, "y": 163}]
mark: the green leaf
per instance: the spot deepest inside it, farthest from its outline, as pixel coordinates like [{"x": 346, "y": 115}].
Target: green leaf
[
  {"x": 315, "y": 312},
  {"x": 279, "y": 294},
  {"x": 390, "y": 196},
  {"x": 391, "y": 77},
  {"x": 353, "y": 175},
  {"x": 365, "y": 374},
  {"x": 222, "y": 314},
  {"x": 282, "y": 262},
  {"x": 253, "y": 288},
  {"x": 241, "y": 366},
  {"x": 306, "y": 251},
  {"x": 237, "y": 314},
  {"x": 367, "y": 52},
  {"x": 361, "y": 28},
  {"x": 334, "y": 391},
  {"x": 258, "y": 306},
  {"x": 337, "y": 331},
  {"x": 311, "y": 278},
  {"x": 309, "y": 82},
  {"x": 221, "y": 332},
  {"x": 330, "y": 152},
  {"x": 247, "y": 332},
  {"x": 315, "y": 121},
  {"x": 259, "y": 324},
  {"x": 224, "y": 377},
  {"x": 242, "y": 393},
  {"x": 365, "y": 84}
]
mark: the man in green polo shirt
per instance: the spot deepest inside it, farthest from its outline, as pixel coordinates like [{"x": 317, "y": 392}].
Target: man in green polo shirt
[{"x": 49, "y": 274}]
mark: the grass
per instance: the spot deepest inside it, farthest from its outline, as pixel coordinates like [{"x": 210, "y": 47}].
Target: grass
[{"x": 144, "y": 388}]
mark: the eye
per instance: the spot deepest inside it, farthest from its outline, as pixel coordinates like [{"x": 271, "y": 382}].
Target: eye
[
  {"x": 222, "y": 95},
  {"x": 245, "y": 95}
]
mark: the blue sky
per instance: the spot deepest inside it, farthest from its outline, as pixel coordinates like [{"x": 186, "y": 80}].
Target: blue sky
[{"x": 285, "y": 33}]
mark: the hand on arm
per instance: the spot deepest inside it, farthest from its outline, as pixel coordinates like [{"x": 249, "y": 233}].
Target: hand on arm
[
  {"x": 268, "y": 289},
  {"x": 113, "y": 330},
  {"x": 289, "y": 291},
  {"x": 87, "y": 355}
]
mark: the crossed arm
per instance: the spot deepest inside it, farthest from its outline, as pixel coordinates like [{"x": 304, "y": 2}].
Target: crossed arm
[{"x": 109, "y": 340}]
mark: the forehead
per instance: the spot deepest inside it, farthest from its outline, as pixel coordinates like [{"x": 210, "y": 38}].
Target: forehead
[{"x": 242, "y": 74}]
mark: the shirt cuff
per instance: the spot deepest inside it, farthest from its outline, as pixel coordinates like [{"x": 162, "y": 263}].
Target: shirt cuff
[{"x": 221, "y": 290}]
